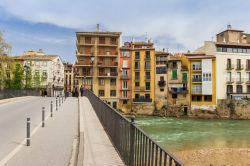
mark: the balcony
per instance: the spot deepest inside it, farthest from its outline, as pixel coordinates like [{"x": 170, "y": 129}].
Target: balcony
[
  {"x": 83, "y": 64},
  {"x": 103, "y": 74},
  {"x": 161, "y": 83},
  {"x": 125, "y": 77},
  {"x": 196, "y": 80},
  {"x": 142, "y": 100},
  {"x": 229, "y": 66},
  {"x": 239, "y": 80},
  {"x": 107, "y": 64},
  {"x": 178, "y": 90},
  {"x": 137, "y": 88},
  {"x": 108, "y": 44},
  {"x": 230, "y": 80},
  {"x": 239, "y": 67},
  {"x": 80, "y": 43}
]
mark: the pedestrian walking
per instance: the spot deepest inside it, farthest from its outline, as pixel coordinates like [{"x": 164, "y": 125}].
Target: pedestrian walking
[{"x": 81, "y": 90}]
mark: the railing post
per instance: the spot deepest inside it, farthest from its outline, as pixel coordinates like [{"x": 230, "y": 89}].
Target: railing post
[
  {"x": 51, "y": 109},
  {"x": 43, "y": 117},
  {"x": 132, "y": 139},
  {"x": 28, "y": 131},
  {"x": 56, "y": 104},
  {"x": 59, "y": 101}
]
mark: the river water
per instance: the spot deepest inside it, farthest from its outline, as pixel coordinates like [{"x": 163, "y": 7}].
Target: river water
[{"x": 193, "y": 134}]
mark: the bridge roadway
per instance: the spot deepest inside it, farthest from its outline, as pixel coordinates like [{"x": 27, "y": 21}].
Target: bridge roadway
[{"x": 54, "y": 144}]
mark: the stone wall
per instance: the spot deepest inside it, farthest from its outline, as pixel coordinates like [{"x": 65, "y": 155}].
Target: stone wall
[{"x": 143, "y": 109}]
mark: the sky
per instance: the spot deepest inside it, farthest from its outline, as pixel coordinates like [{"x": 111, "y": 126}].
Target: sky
[{"x": 176, "y": 25}]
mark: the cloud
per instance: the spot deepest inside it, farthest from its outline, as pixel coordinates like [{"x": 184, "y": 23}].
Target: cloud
[{"x": 175, "y": 24}]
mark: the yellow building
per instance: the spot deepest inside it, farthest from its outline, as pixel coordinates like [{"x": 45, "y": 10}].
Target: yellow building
[
  {"x": 143, "y": 76},
  {"x": 202, "y": 78},
  {"x": 97, "y": 64}
]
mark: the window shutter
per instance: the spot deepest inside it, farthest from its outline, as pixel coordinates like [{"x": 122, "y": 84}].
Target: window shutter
[{"x": 174, "y": 74}]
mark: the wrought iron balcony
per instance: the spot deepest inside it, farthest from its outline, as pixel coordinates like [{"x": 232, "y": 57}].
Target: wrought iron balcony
[
  {"x": 161, "y": 83},
  {"x": 142, "y": 100}
]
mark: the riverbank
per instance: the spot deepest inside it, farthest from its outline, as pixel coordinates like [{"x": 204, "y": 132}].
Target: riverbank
[{"x": 215, "y": 157}]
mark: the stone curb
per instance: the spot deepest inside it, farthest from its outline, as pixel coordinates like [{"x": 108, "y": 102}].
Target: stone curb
[
  {"x": 80, "y": 156},
  {"x": 4, "y": 101}
]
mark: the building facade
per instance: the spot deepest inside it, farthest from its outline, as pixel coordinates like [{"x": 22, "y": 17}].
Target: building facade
[
  {"x": 97, "y": 63},
  {"x": 161, "y": 90},
  {"x": 47, "y": 71},
  {"x": 69, "y": 78},
  {"x": 125, "y": 78},
  {"x": 178, "y": 92},
  {"x": 143, "y": 76},
  {"x": 232, "y": 51},
  {"x": 202, "y": 81}
]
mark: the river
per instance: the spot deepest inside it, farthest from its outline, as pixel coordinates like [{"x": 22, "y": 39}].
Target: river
[{"x": 212, "y": 140}]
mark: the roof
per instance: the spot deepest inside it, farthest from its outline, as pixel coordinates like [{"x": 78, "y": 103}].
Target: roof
[
  {"x": 234, "y": 30},
  {"x": 232, "y": 44},
  {"x": 173, "y": 58},
  {"x": 161, "y": 53},
  {"x": 33, "y": 55},
  {"x": 99, "y": 33},
  {"x": 199, "y": 56}
]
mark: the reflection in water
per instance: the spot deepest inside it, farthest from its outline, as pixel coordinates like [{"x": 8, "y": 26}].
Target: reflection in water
[{"x": 184, "y": 134}]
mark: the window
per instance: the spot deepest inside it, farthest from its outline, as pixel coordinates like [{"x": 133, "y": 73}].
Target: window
[
  {"x": 101, "y": 82},
  {"x": 125, "y": 94},
  {"x": 147, "y": 75},
  {"x": 208, "y": 98},
  {"x": 137, "y": 55},
  {"x": 174, "y": 74},
  {"x": 147, "y": 85},
  {"x": 37, "y": 63},
  {"x": 147, "y": 65},
  {"x": 88, "y": 81},
  {"x": 206, "y": 77},
  {"x": 197, "y": 77},
  {"x": 161, "y": 70},
  {"x": 37, "y": 73},
  {"x": 125, "y": 102},
  {"x": 162, "y": 78},
  {"x": 174, "y": 64},
  {"x": 45, "y": 74},
  {"x": 162, "y": 90},
  {"x": 137, "y": 65},
  {"x": 196, "y": 66},
  {"x": 239, "y": 89},
  {"x": 248, "y": 64},
  {"x": 125, "y": 63},
  {"x": 147, "y": 54},
  {"x": 238, "y": 77},
  {"x": 101, "y": 93},
  {"x": 174, "y": 96},
  {"x": 197, "y": 98},
  {"x": 248, "y": 88},
  {"x": 147, "y": 96},
  {"x": 125, "y": 73},
  {"x": 113, "y": 82},
  {"x": 229, "y": 64},
  {"x": 113, "y": 93},
  {"x": 137, "y": 75},
  {"x": 125, "y": 53},
  {"x": 137, "y": 96},
  {"x": 238, "y": 64},
  {"x": 137, "y": 84},
  {"x": 184, "y": 76},
  {"x": 44, "y": 63},
  {"x": 88, "y": 40},
  {"x": 125, "y": 85},
  {"x": 102, "y": 40},
  {"x": 229, "y": 88},
  {"x": 248, "y": 78}
]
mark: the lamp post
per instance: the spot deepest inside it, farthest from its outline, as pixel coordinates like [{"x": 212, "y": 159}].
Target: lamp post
[
  {"x": 26, "y": 69},
  {"x": 92, "y": 59}
]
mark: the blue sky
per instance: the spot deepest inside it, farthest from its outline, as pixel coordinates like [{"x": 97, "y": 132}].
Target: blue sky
[{"x": 178, "y": 25}]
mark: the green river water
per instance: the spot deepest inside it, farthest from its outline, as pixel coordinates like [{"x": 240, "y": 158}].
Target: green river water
[{"x": 185, "y": 134}]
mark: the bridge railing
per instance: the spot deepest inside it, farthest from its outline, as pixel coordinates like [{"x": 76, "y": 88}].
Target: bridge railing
[{"x": 134, "y": 146}]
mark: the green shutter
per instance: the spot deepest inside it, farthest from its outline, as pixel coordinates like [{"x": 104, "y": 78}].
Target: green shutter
[
  {"x": 184, "y": 76},
  {"x": 174, "y": 74}
]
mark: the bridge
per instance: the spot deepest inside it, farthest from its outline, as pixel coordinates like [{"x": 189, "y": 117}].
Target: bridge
[
  {"x": 82, "y": 131},
  {"x": 133, "y": 146}
]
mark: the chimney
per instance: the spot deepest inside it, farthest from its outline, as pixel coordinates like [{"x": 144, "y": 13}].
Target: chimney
[
  {"x": 97, "y": 27},
  {"x": 229, "y": 27},
  {"x": 40, "y": 50}
]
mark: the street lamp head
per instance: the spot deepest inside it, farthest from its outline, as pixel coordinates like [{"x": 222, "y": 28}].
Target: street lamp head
[{"x": 26, "y": 67}]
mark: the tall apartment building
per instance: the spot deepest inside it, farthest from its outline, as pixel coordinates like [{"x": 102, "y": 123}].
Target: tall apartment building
[
  {"x": 125, "y": 78},
  {"x": 97, "y": 63},
  {"x": 143, "y": 74},
  {"x": 161, "y": 90},
  {"x": 202, "y": 81},
  {"x": 178, "y": 92},
  {"x": 232, "y": 51},
  {"x": 69, "y": 77}
]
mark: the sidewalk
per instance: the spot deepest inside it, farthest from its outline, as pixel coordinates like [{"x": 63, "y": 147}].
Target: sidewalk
[
  {"x": 52, "y": 145},
  {"x": 5, "y": 101},
  {"x": 98, "y": 150}
]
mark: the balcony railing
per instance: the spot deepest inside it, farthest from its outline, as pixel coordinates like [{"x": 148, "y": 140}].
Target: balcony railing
[
  {"x": 108, "y": 74},
  {"x": 196, "y": 79},
  {"x": 239, "y": 80},
  {"x": 197, "y": 91},
  {"x": 125, "y": 77},
  {"x": 161, "y": 83},
  {"x": 229, "y": 66},
  {"x": 107, "y": 64},
  {"x": 239, "y": 67},
  {"x": 140, "y": 88},
  {"x": 178, "y": 90},
  {"x": 142, "y": 100},
  {"x": 230, "y": 80}
]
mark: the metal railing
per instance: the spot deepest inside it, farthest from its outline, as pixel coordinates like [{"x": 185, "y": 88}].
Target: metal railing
[{"x": 134, "y": 146}]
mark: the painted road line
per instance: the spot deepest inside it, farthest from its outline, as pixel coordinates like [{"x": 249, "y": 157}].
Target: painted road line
[{"x": 23, "y": 143}]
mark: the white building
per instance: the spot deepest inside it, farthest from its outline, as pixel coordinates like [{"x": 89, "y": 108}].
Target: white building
[
  {"x": 49, "y": 68},
  {"x": 232, "y": 51}
]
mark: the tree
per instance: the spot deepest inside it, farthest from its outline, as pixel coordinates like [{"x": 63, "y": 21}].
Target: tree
[
  {"x": 18, "y": 75},
  {"x": 5, "y": 47},
  {"x": 37, "y": 80}
]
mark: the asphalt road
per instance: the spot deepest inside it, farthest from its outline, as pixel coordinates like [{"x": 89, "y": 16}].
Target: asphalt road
[{"x": 13, "y": 121}]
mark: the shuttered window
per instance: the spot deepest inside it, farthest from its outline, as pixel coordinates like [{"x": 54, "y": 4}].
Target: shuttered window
[{"x": 174, "y": 74}]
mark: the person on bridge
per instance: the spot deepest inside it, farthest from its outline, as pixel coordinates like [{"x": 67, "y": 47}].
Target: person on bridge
[{"x": 81, "y": 90}]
